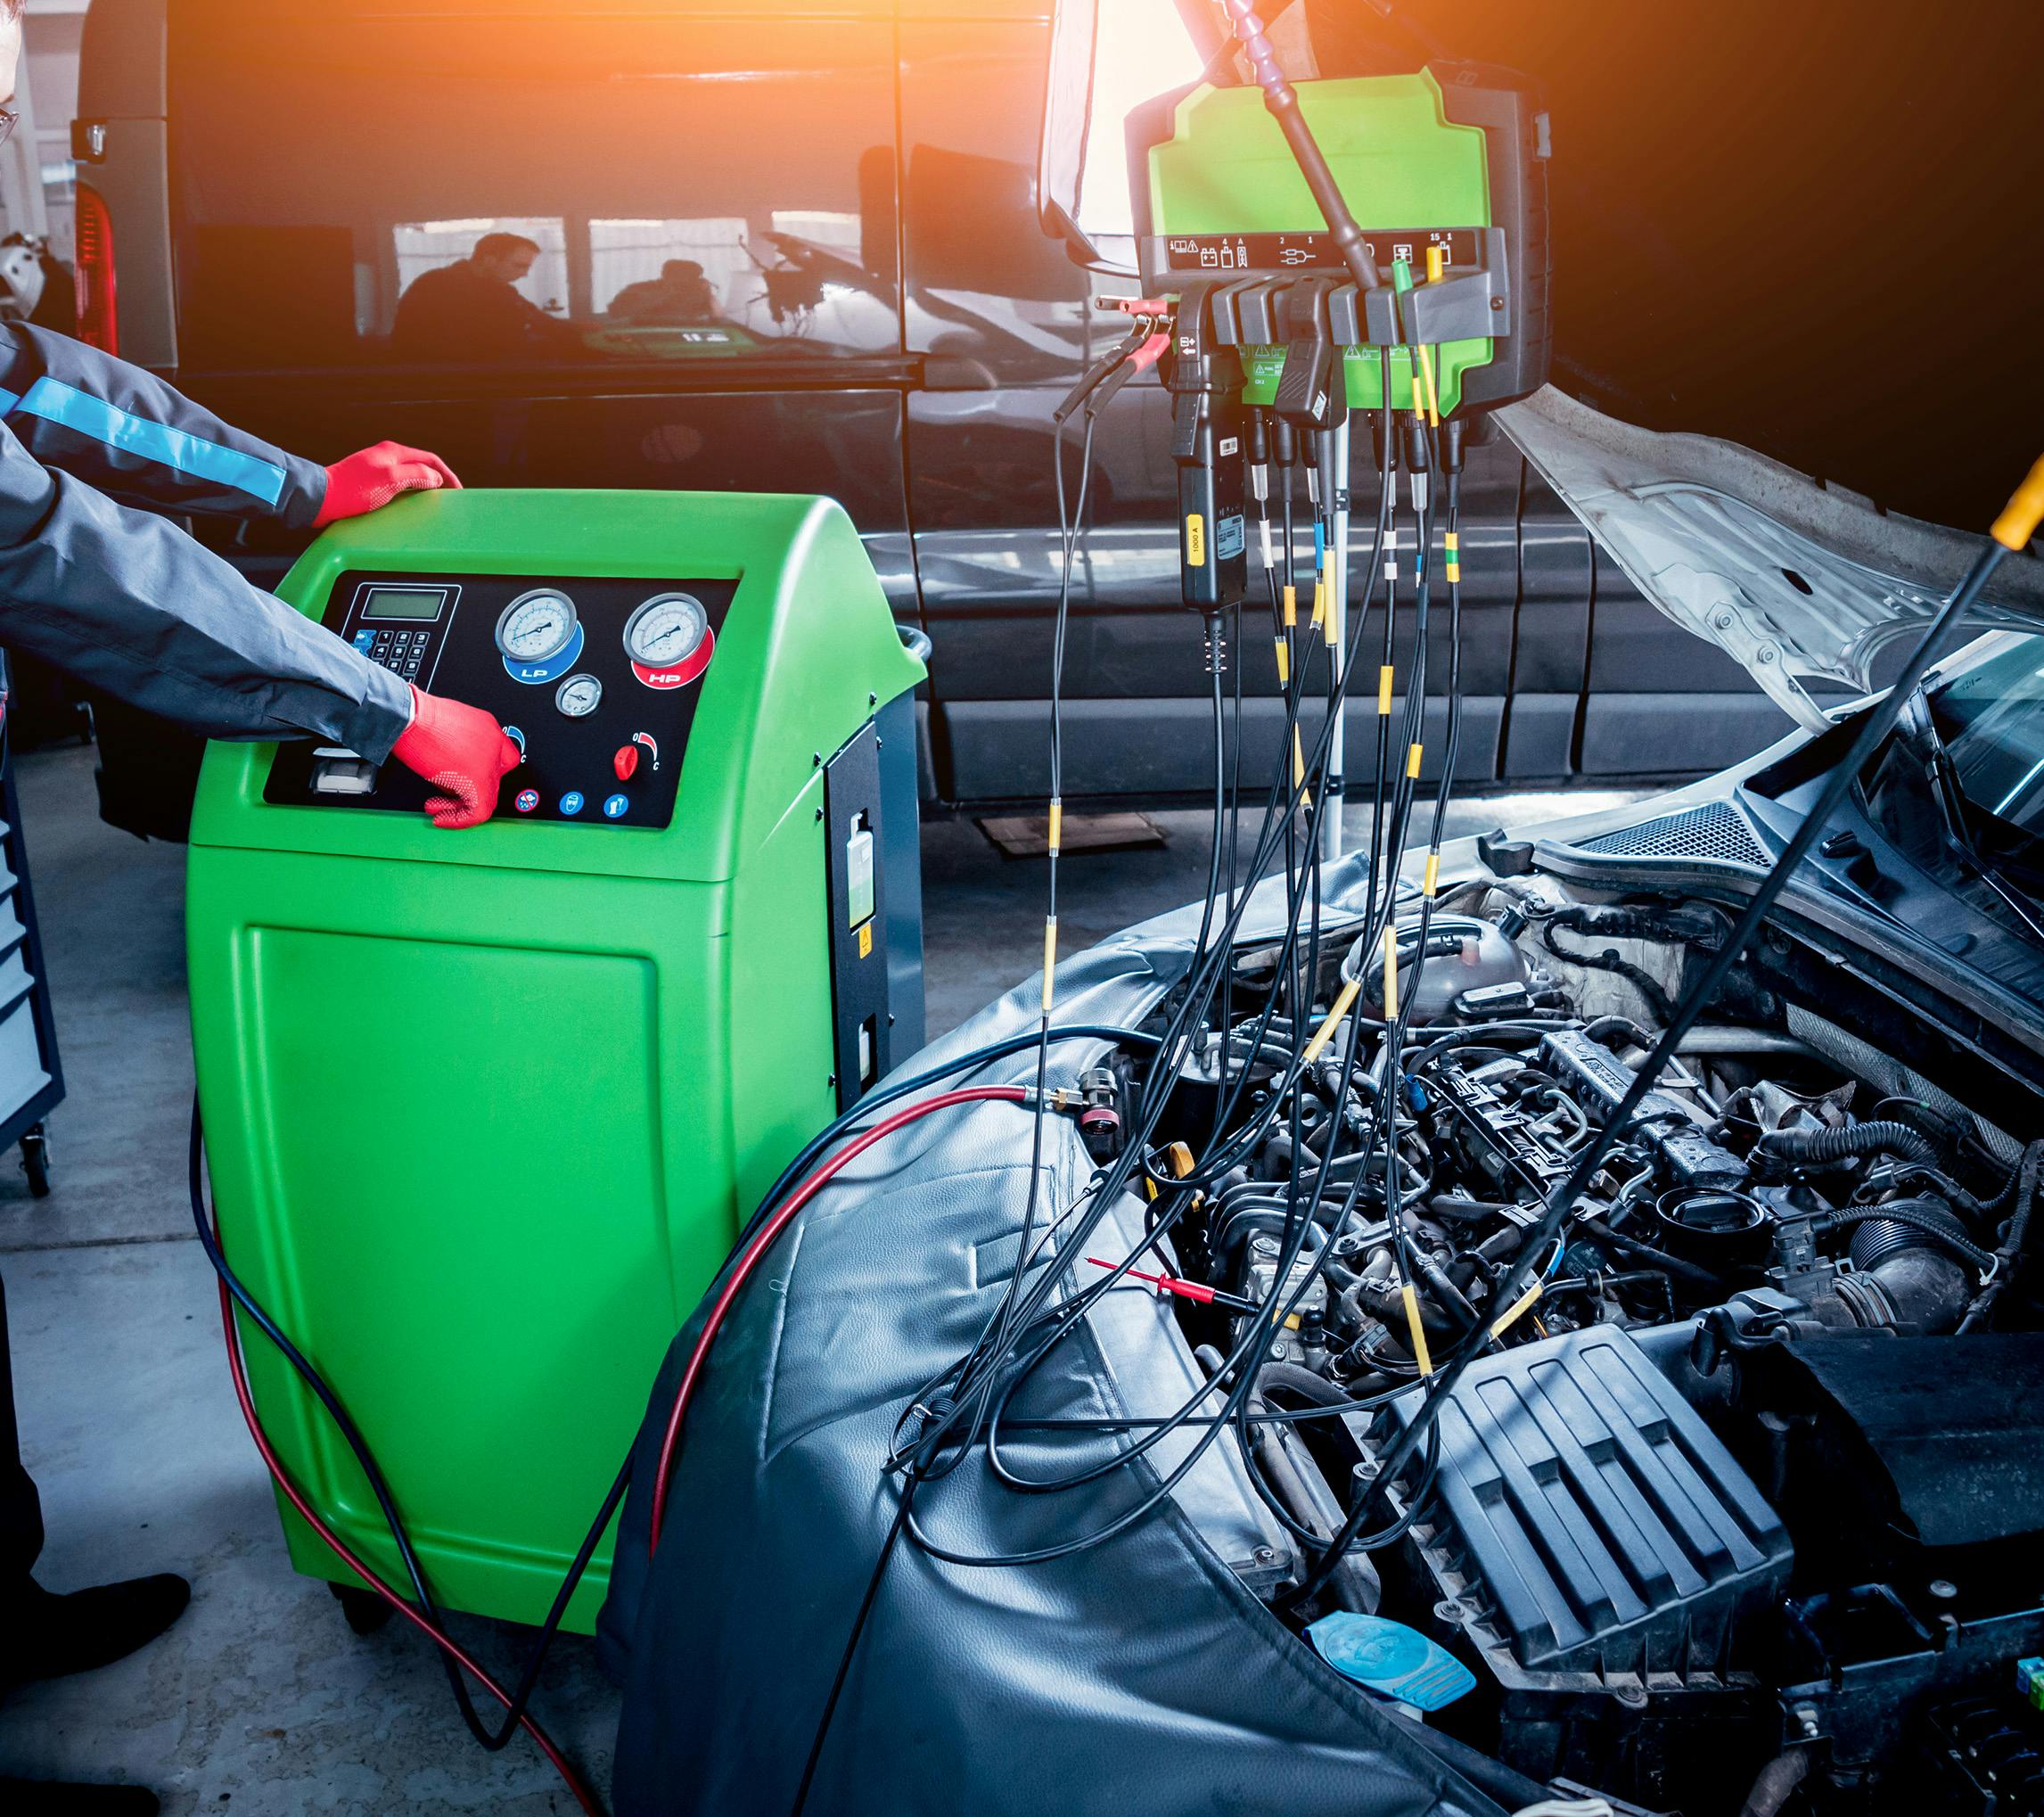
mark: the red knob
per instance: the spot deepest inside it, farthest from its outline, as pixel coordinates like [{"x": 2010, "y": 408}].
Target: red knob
[{"x": 626, "y": 762}]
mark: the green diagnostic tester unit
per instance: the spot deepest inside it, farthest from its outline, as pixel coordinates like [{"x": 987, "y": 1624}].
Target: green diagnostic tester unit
[
  {"x": 1451, "y": 158},
  {"x": 484, "y": 1109}
]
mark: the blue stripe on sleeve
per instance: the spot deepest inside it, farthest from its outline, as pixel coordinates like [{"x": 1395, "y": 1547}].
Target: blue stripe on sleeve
[
  {"x": 8, "y": 399},
  {"x": 56, "y": 402}
]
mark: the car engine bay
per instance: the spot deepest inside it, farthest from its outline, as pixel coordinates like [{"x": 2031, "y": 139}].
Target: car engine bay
[{"x": 1741, "y": 1498}]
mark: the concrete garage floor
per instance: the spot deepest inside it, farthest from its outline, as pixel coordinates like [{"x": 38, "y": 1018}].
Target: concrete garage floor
[{"x": 260, "y": 1699}]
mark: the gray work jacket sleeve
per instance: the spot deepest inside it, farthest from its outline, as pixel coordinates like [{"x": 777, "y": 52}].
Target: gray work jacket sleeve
[
  {"x": 128, "y": 603},
  {"x": 140, "y": 440}
]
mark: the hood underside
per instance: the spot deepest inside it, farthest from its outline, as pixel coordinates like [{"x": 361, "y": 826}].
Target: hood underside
[{"x": 1802, "y": 584}]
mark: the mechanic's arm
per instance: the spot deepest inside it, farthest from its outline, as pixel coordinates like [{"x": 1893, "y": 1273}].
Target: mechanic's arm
[
  {"x": 141, "y": 441},
  {"x": 128, "y": 603}
]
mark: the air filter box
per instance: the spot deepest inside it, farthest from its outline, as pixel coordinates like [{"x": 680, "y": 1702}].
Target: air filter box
[{"x": 1596, "y": 1545}]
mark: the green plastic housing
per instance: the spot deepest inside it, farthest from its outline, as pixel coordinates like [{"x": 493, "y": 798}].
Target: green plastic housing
[
  {"x": 1401, "y": 162},
  {"x": 484, "y": 1109}
]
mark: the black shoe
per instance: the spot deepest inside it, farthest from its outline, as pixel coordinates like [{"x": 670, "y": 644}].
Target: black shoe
[
  {"x": 49, "y": 1636},
  {"x": 37, "y": 1798}
]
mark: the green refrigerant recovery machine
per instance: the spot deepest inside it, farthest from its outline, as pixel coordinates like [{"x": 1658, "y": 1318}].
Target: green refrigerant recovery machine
[{"x": 484, "y": 1110}]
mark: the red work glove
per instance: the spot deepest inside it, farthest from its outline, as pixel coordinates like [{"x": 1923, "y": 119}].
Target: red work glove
[
  {"x": 369, "y": 481},
  {"x": 460, "y": 751}
]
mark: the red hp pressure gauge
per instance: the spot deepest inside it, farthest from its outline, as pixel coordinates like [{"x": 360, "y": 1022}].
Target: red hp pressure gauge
[{"x": 669, "y": 641}]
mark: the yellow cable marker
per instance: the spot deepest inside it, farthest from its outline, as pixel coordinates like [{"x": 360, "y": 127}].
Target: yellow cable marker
[
  {"x": 1385, "y": 691},
  {"x": 1432, "y": 875},
  {"x": 1291, "y": 605},
  {"x": 1412, "y": 763},
  {"x": 2023, "y": 512},
  {"x": 1433, "y": 397},
  {"x": 1057, "y": 826},
  {"x": 1420, "y": 1353},
  {"x": 1391, "y": 974},
  {"x": 1518, "y": 1306},
  {"x": 1284, "y": 663},
  {"x": 1049, "y": 958},
  {"x": 1342, "y": 1005},
  {"x": 1298, "y": 760}
]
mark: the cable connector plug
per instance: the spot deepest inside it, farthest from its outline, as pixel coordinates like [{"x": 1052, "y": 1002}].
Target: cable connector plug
[{"x": 1196, "y": 1291}]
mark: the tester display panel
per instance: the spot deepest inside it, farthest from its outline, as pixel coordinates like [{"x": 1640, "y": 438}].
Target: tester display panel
[{"x": 597, "y": 680}]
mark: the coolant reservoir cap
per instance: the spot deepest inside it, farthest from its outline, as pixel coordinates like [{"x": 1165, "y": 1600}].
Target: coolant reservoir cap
[{"x": 1391, "y": 1659}]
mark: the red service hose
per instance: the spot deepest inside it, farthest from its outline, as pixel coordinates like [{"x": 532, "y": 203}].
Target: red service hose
[
  {"x": 764, "y": 1241},
  {"x": 582, "y": 1795}
]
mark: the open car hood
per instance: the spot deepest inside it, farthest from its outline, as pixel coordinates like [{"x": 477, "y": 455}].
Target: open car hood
[{"x": 1802, "y": 583}]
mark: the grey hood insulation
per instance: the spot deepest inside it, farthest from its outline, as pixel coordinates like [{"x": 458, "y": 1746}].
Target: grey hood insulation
[{"x": 1142, "y": 1675}]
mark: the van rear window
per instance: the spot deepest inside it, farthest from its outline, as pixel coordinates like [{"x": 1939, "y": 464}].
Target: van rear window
[{"x": 442, "y": 184}]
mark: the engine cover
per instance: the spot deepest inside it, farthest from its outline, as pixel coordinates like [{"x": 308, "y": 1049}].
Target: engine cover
[{"x": 1586, "y": 1521}]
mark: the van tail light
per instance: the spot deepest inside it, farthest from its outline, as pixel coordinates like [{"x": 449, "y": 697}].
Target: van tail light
[{"x": 99, "y": 312}]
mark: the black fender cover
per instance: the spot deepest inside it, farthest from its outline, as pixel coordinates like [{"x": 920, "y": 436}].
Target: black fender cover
[{"x": 1139, "y": 1675}]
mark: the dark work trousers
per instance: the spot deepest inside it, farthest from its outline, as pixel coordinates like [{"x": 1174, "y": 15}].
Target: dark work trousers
[{"x": 20, "y": 1512}]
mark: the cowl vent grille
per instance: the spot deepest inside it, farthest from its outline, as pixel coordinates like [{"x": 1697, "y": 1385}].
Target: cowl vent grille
[{"x": 1717, "y": 833}]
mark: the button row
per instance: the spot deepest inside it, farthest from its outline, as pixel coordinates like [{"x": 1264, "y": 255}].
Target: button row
[{"x": 615, "y": 807}]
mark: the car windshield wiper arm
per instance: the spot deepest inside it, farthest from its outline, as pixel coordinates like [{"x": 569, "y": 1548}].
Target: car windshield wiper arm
[{"x": 1920, "y": 728}]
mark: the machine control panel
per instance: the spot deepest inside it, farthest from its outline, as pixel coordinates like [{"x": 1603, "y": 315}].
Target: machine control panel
[{"x": 594, "y": 679}]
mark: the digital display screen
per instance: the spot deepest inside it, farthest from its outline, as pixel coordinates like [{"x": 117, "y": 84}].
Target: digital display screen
[{"x": 403, "y": 602}]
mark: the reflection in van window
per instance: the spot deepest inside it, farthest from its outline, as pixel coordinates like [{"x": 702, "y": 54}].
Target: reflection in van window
[
  {"x": 480, "y": 304},
  {"x": 435, "y": 183},
  {"x": 673, "y": 271}
]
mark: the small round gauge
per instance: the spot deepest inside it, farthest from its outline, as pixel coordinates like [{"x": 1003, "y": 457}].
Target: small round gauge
[
  {"x": 535, "y": 625},
  {"x": 666, "y": 630},
  {"x": 579, "y": 695}
]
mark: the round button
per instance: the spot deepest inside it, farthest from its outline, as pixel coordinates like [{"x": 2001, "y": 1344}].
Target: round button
[
  {"x": 528, "y": 800},
  {"x": 571, "y": 803},
  {"x": 614, "y": 808}
]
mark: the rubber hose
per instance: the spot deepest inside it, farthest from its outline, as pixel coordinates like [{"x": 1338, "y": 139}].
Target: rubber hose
[
  {"x": 2010, "y": 1250},
  {"x": 1294, "y": 1379},
  {"x": 1777, "y": 1779},
  {"x": 1386, "y": 1303},
  {"x": 1694, "y": 1273},
  {"x": 1828, "y": 1148},
  {"x": 1937, "y": 1225},
  {"x": 1606, "y": 1026}
]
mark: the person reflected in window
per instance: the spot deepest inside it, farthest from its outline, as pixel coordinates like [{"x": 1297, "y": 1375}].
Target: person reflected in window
[
  {"x": 681, "y": 297},
  {"x": 472, "y": 311}
]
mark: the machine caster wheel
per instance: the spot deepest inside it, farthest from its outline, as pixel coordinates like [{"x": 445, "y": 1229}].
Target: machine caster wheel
[
  {"x": 36, "y": 1161},
  {"x": 366, "y": 1612}
]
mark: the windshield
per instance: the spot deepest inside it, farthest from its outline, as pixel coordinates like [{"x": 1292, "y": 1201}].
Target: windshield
[{"x": 1991, "y": 720}]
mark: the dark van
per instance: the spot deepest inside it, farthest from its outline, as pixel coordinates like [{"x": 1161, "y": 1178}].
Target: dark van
[{"x": 667, "y": 244}]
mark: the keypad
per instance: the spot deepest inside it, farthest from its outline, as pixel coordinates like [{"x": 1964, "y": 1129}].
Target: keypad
[{"x": 404, "y": 653}]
